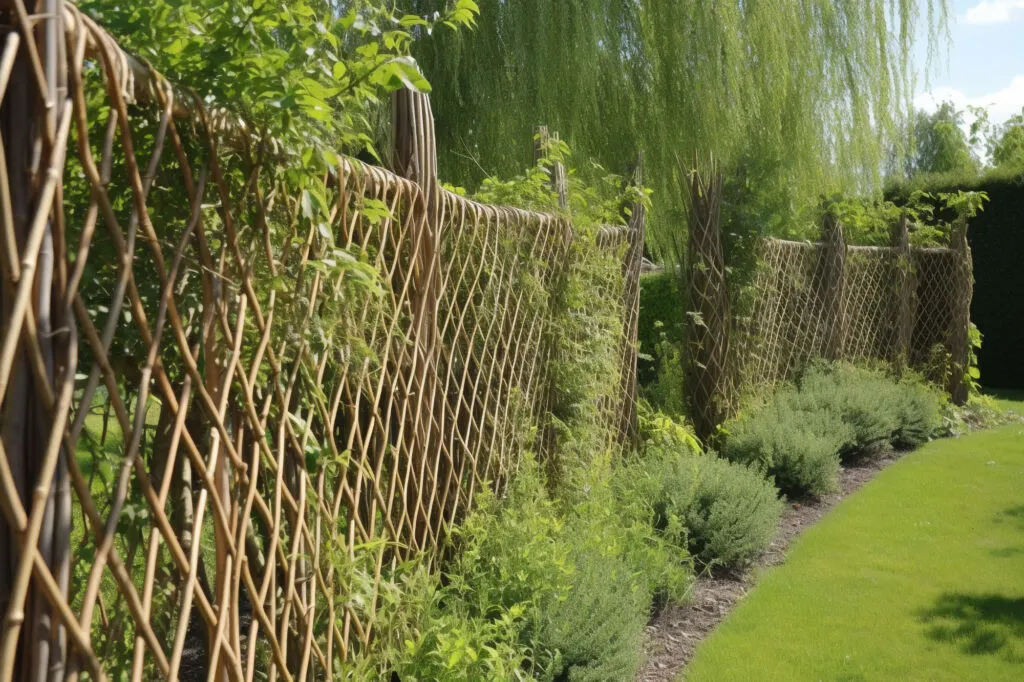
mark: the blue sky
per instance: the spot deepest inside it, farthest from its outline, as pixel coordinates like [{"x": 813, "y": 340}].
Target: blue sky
[{"x": 985, "y": 65}]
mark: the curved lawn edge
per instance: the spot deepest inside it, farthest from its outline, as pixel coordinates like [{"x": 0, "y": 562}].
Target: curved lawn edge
[
  {"x": 919, "y": 575},
  {"x": 674, "y": 633}
]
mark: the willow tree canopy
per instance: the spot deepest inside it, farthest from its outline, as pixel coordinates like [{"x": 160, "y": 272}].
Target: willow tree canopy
[{"x": 804, "y": 95}]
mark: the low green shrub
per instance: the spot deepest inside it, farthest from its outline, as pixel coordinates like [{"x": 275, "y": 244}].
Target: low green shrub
[
  {"x": 798, "y": 448},
  {"x": 919, "y": 414},
  {"x": 867, "y": 401},
  {"x": 980, "y": 412},
  {"x": 420, "y": 633},
  {"x": 511, "y": 555},
  {"x": 722, "y": 513},
  {"x": 596, "y": 629},
  {"x": 837, "y": 413},
  {"x": 571, "y": 592}
]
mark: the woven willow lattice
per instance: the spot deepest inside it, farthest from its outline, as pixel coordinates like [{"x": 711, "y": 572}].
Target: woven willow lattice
[
  {"x": 229, "y": 406},
  {"x": 897, "y": 304}
]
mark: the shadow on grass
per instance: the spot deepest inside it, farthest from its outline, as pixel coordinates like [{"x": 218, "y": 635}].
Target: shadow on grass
[
  {"x": 1015, "y": 516},
  {"x": 978, "y": 624}
]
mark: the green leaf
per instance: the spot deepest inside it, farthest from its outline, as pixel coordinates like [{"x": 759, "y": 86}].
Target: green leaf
[{"x": 408, "y": 74}]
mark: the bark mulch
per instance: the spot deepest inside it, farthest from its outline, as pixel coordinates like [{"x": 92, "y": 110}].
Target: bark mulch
[{"x": 674, "y": 633}]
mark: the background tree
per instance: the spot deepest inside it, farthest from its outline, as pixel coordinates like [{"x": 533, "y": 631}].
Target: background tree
[
  {"x": 1006, "y": 142},
  {"x": 813, "y": 90},
  {"x": 940, "y": 143}
]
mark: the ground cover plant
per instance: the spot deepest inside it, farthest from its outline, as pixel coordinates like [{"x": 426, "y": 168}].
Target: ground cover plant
[
  {"x": 919, "y": 576},
  {"x": 835, "y": 413}
]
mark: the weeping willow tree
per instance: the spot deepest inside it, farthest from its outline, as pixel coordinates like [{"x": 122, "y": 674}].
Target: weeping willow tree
[{"x": 795, "y": 98}]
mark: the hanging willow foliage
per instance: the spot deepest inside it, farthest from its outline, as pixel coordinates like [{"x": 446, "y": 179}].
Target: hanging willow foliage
[{"x": 798, "y": 96}]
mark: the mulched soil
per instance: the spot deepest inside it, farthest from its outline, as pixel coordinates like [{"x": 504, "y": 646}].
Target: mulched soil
[{"x": 674, "y": 633}]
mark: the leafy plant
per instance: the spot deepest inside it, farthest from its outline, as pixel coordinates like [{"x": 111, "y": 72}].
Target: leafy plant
[
  {"x": 597, "y": 630},
  {"x": 576, "y": 588},
  {"x": 919, "y": 413},
  {"x": 837, "y": 412},
  {"x": 585, "y": 333},
  {"x": 421, "y": 633}
]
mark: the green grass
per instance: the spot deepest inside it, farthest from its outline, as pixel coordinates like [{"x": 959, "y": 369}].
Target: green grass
[
  {"x": 1009, "y": 399},
  {"x": 920, "y": 576}
]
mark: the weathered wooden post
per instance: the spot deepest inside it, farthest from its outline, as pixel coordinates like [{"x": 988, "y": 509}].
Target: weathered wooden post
[
  {"x": 904, "y": 293},
  {"x": 627, "y": 427},
  {"x": 832, "y": 283},
  {"x": 36, "y": 519},
  {"x": 960, "y": 331},
  {"x": 708, "y": 380},
  {"x": 557, "y": 172},
  {"x": 414, "y": 156}
]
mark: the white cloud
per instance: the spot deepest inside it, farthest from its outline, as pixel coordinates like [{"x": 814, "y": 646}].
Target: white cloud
[
  {"x": 993, "y": 12},
  {"x": 1001, "y": 104}
]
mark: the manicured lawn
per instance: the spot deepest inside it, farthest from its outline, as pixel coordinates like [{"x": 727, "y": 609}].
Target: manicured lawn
[{"x": 919, "y": 576}]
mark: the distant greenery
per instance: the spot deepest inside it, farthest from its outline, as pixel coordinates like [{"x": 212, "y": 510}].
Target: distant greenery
[
  {"x": 940, "y": 144},
  {"x": 946, "y": 152}
]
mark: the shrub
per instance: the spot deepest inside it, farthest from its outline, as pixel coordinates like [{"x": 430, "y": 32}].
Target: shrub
[
  {"x": 722, "y": 513},
  {"x": 597, "y": 628},
  {"x": 574, "y": 591},
  {"x": 919, "y": 414},
  {"x": 798, "y": 448},
  {"x": 420, "y": 634},
  {"x": 511, "y": 555},
  {"x": 837, "y": 413},
  {"x": 867, "y": 401},
  {"x": 659, "y": 567}
]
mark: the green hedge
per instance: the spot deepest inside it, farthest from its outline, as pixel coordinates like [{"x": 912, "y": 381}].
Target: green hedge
[{"x": 997, "y": 242}]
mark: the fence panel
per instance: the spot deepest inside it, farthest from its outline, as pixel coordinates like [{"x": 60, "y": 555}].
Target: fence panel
[
  {"x": 231, "y": 408},
  {"x": 792, "y": 320}
]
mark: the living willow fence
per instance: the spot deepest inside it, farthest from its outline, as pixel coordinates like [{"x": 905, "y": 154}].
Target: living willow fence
[
  {"x": 900, "y": 304},
  {"x": 224, "y": 413}
]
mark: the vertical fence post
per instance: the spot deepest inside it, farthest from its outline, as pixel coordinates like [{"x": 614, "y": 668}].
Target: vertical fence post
[
  {"x": 708, "y": 377},
  {"x": 559, "y": 177},
  {"x": 904, "y": 288},
  {"x": 415, "y": 157},
  {"x": 631, "y": 268},
  {"x": 832, "y": 279},
  {"x": 33, "y": 124},
  {"x": 960, "y": 331}
]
